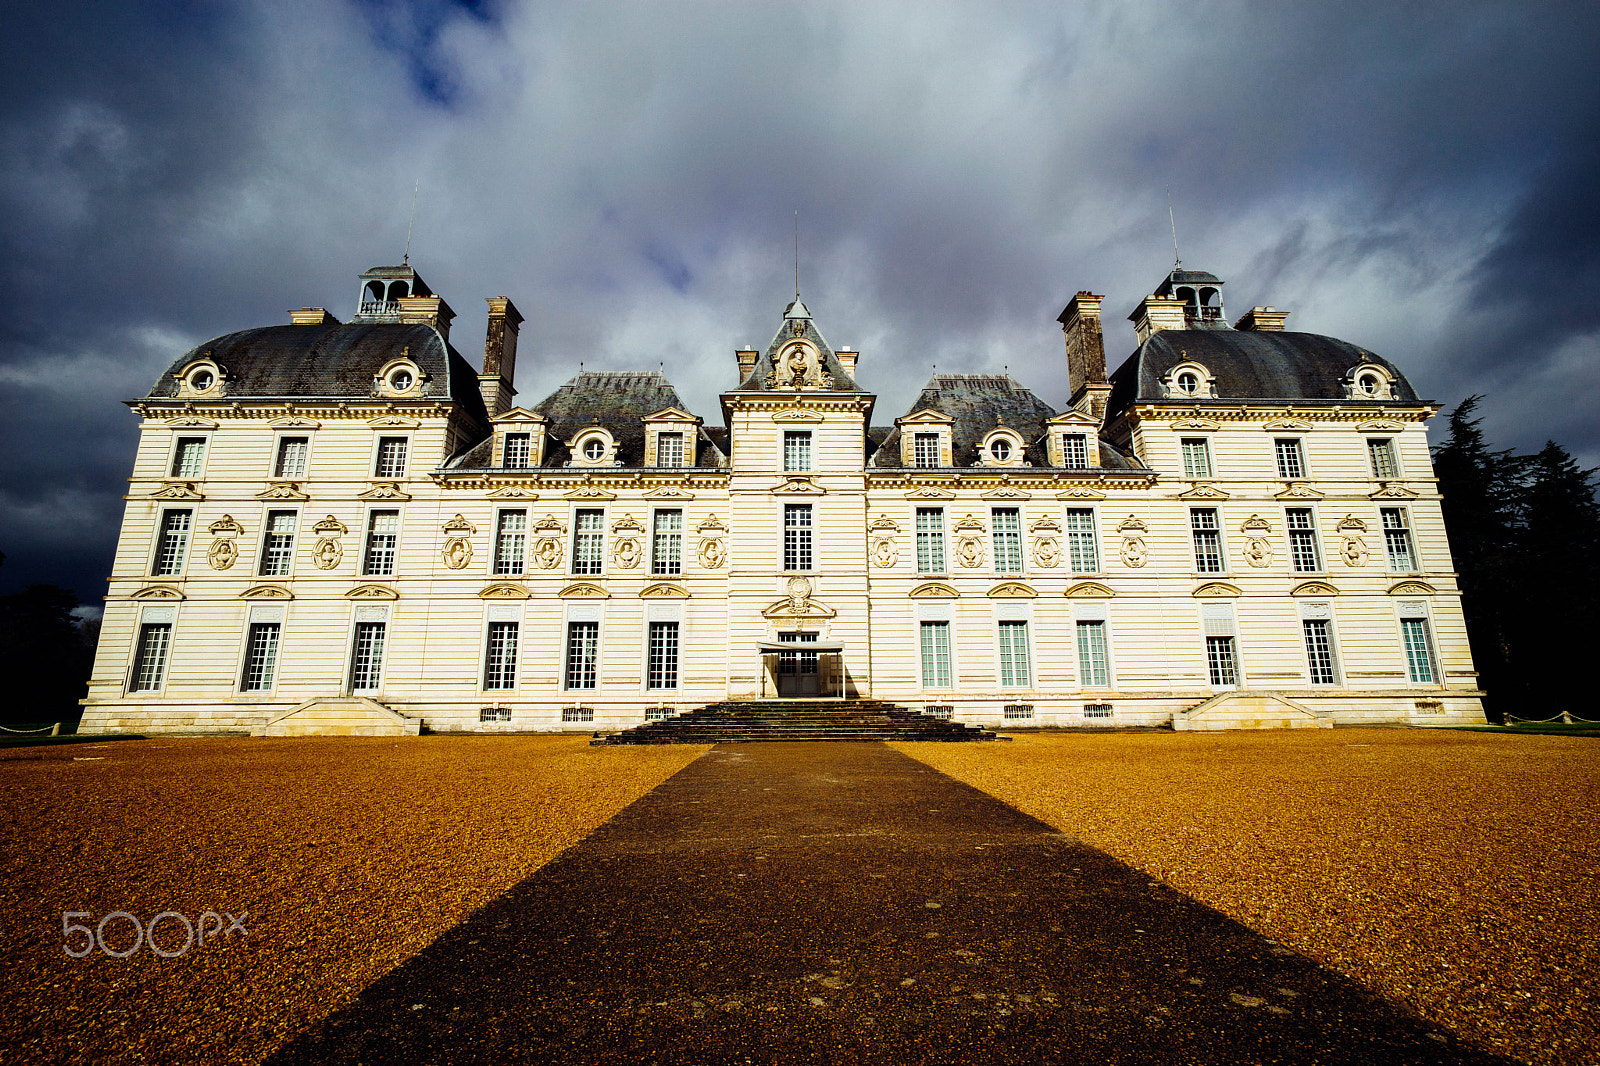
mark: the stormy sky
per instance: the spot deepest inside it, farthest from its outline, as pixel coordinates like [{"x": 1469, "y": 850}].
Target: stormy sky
[{"x": 1419, "y": 179}]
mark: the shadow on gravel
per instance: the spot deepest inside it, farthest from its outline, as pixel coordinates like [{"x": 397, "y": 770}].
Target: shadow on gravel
[{"x": 842, "y": 902}]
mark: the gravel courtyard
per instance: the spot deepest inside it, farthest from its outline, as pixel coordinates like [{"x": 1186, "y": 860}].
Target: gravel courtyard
[{"x": 1456, "y": 872}]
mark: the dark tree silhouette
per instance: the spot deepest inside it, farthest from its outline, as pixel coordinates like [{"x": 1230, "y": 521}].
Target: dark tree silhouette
[{"x": 46, "y": 655}]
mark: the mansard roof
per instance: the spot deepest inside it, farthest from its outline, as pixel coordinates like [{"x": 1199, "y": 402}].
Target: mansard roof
[
  {"x": 797, "y": 322},
  {"x": 978, "y": 403},
  {"x": 1249, "y": 365},
  {"x": 331, "y": 361}
]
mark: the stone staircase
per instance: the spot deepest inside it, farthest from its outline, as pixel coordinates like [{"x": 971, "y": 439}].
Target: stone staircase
[{"x": 796, "y": 719}]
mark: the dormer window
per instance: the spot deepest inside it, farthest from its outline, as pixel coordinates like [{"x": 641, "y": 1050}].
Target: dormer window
[
  {"x": 1002, "y": 447},
  {"x": 925, "y": 449},
  {"x": 594, "y": 449},
  {"x": 1075, "y": 451},
  {"x": 401, "y": 381},
  {"x": 202, "y": 380},
  {"x": 204, "y": 377},
  {"x": 1000, "y": 450},
  {"x": 593, "y": 446},
  {"x": 1369, "y": 381},
  {"x": 399, "y": 377},
  {"x": 669, "y": 449},
  {"x": 1188, "y": 383},
  {"x": 1190, "y": 380},
  {"x": 519, "y": 451}
]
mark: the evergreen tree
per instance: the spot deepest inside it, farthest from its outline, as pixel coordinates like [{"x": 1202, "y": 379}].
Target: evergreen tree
[{"x": 44, "y": 654}]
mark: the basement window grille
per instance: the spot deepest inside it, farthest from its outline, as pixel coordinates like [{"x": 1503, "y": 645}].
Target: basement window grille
[
  {"x": 655, "y": 714},
  {"x": 577, "y": 714},
  {"x": 1018, "y": 710},
  {"x": 1430, "y": 707},
  {"x": 1097, "y": 710},
  {"x": 940, "y": 710},
  {"x": 494, "y": 714}
]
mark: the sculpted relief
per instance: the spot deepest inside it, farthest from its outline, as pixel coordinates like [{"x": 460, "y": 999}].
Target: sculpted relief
[{"x": 797, "y": 365}]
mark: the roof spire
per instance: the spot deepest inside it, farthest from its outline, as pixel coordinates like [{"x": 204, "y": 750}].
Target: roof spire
[
  {"x": 1177, "y": 264},
  {"x": 797, "y": 255},
  {"x": 405, "y": 260}
]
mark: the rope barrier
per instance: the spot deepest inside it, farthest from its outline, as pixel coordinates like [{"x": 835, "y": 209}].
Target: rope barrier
[
  {"x": 41, "y": 729},
  {"x": 1565, "y": 719}
]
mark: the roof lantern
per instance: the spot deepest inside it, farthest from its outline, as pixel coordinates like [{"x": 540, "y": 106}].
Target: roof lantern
[
  {"x": 1201, "y": 296},
  {"x": 382, "y": 289}
]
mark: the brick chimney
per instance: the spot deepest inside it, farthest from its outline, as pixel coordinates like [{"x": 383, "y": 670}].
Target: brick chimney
[
  {"x": 1156, "y": 313},
  {"x": 1262, "y": 320},
  {"x": 312, "y": 316},
  {"x": 1086, "y": 355},
  {"x": 500, "y": 355},
  {"x": 427, "y": 311}
]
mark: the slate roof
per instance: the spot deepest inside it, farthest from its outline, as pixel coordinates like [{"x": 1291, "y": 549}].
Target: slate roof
[
  {"x": 1248, "y": 365},
  {"x": 617, "y": 401},
  {"x": 978, "y": 403},
  {"x": 332, "y": 362},
  {"x": 796, "y": 313}
]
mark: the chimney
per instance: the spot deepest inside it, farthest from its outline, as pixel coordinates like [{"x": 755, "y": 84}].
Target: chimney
[
  {"x": 1262, "y": 320},
  {"x": 427, "y": 311},
  {"x": 1086, "y": 354},
  {"x": 312, "y": 316},
  {"x": 747, "y": 361},
  {"x": 847, "y": 358},
  {"x": 1156, "y": 313},
  {"x": 500, "y": 355}
]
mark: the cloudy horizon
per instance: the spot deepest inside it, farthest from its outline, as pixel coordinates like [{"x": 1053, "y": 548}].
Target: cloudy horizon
[{"x": 1410, "y": 178}]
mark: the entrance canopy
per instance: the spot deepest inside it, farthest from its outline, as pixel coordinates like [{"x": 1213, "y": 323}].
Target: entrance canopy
[{"x": 830, "y": 647}]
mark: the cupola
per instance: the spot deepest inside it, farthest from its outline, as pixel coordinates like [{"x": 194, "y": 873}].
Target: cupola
[{"x": 398, "y": 294}]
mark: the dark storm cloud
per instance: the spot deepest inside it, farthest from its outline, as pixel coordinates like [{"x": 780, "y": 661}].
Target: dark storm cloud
[{"x": 1410, "y": 177}]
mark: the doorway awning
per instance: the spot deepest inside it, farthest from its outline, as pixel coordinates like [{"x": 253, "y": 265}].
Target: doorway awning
[{"x": 829, "y": 647}]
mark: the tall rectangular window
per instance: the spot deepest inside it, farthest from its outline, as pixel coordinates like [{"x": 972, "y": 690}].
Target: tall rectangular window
[
  {"x": 1319, "y": 650},
  {"x": 1420, "y": 664},
  {"x": 1381, "y": 451},
  {"x": 1196, "y": 457},
  {"x": 930, "y": 540},
  {"x": 662, "y": 660},
  {"x": 1005, "y": 525},
  {"x": 797, "y": 450},
  {"x": 500, "y": 657},
  {"x": 391, "y": 457},
  {"x": 173, "y": 543},
  {"x": 925, "y": 449},
  {"x": 935, "y": 654},
  {"x": 583, "y": 654},
  {"x": 797, "y": 536},
  {"x": 1397, "y": 539},
  {"x": 1094, "y": 670},
  {"x": 1291, "y": 460},
  {"x": 291, "y": 460},
  {"x": 1222, "y": 659},
  {"x": 366, "y": 656},
  {"x": 383, "y": 537},
  {"x": 1083, "y": 551},
  {"x": 511, "y": 542},
  {"x": 1014, "y": 667},
  {"x": 260, "y": 656},
  {"x": 669, "y": 449},
  {"x": 666, "y": 543},
  {"x": 150, "y": 659},
  {"x": 1075, "y": 451},
  {"x": 588, "y": 542},
  {"x": 1304, "y": 554},
  {"x": 189, "y": 458},
  {"x": 277, "y": 543},
  {"x": 1207, "y": 540},
  {"x": 518, "y": 451}
]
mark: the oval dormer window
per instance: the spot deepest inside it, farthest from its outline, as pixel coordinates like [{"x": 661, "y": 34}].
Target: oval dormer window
[
  {"x": 401, "y": 380},
  {"x": 1188, "y": 383},
  {"x": 1369, "y": 384},
  {"x": 201, "y": 380},
  {"x": 1001, "y": 450},
  {"x": 593, "y": 449}
]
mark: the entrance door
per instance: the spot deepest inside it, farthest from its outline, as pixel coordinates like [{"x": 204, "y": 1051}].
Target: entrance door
[{"x": 797, "y": 670}]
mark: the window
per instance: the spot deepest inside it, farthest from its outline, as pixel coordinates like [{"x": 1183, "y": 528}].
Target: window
[
  {"x": 1303, "y": 551},
  {"x": 577, "y": 714},
  {"x": 1001, "y": 450},
  {"x": 1005, "y": 524},
  {"x": 594, "y": 449},
  {"x": 366, "y": 656},
  {"x": 383, "y": 535},
  {"x": 1075, "y": 451},
  {"x": 189, "y": 457},
  {"x": 797, "y": 662},
  {"x": 391, "y": 457},
  {"x": 666, "y": 544},
  {"x": 1188, "y": 383},
  {"x": 1222, "y": 658},
  {"x": 669, "y": 449},
  {"x": 1083, "y": 554},
  {"x": 925, "y": 449},
  {"x": 662, "y": 665},
  {"x": 1013, "y": 711},
  {"x": 797, "y": 450},
  {"x": 291, "y": 461},
  {"x": 1421, "y": 667},
  {"x": 583, "y": 654},
  {"x": 930, "y": 540},
  {"x": 500, "y": 657},
  {"x": 1291, "y": 460},
  {"x": 935, "y": 654},
  {"x": 519, "y": 451},
  {"x": 150, "y": 660},
  {"x": 202, "y": 380},
  {"x": 588, "y": 542},
  {"x": 1207, "y": 540},
  {"x": 1397, "y": 539},
  {"x": 494, "y": 714},
  {"x": 1099, "y": 710},
  {"x": 797, "y": 536},
  {"x": 1014, "y": 671},
  {"x": 173, "y": 544},
  {"x": 261, "y": 656},
  {"x": 277, "y": 543},
  {"x": 1196, "y": 457},
  {"x": 1381, "y": 452},
  {"x": 1319, "y": 650},
  {"x": 1093, "y": 668},
  {"x": 510, "y": 542}
]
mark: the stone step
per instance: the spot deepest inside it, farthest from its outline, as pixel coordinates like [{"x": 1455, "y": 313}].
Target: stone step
[{"x": 797, "y": 720}]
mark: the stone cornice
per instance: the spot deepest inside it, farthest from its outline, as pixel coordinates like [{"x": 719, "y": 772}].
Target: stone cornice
[
  {"x": 1024, "y": 479},
  {"x": 564, "y": 480},
  {"x": 164, "y": 408},
  {"x": 1251, "y": 411}
]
